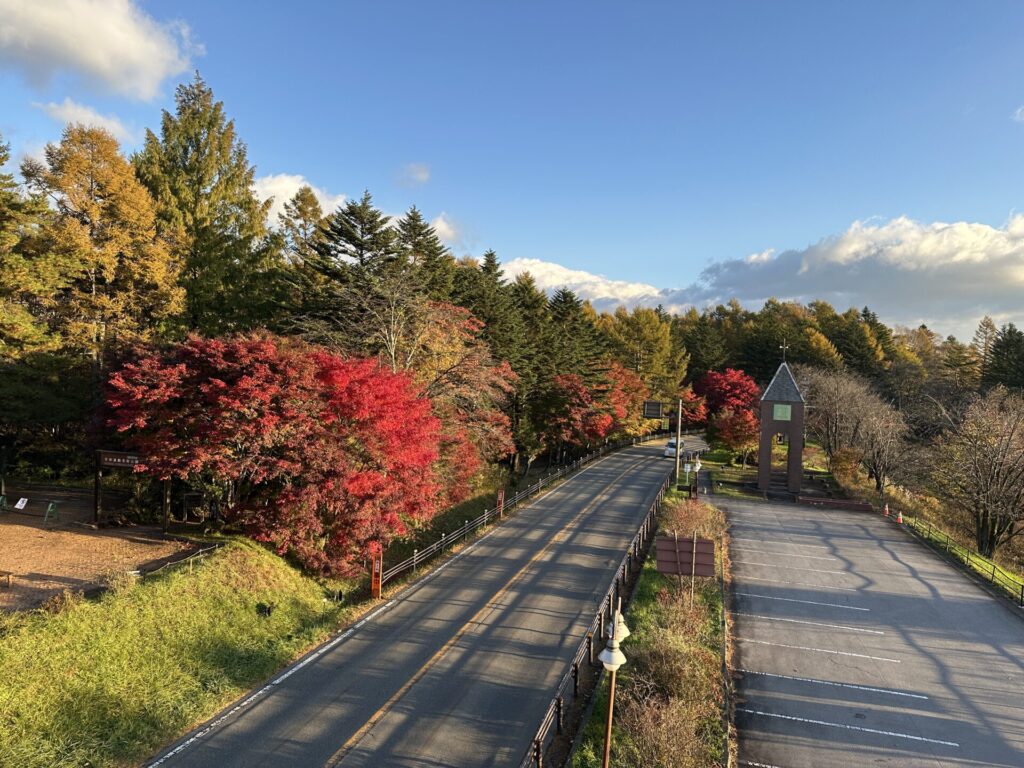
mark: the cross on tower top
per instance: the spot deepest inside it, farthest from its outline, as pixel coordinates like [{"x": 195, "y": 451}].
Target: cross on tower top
[{"x": 784, "y": 346}]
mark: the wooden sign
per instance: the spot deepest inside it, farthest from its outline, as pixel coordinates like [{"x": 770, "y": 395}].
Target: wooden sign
[
  {"x": 685, "y": 556},
  {"x": 501, "y": 501}
]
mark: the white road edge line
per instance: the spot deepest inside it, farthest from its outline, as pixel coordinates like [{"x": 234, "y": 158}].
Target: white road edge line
[
  {"x": 811, "y": 623},
  {"x": 276, "y": 681},
  {"x": 838, "y": 685},
  {"x": 793, "y": 567},
  {"x": 808, "y": 602},
  {"x": 788, "y": 554},
  {"x": 758, "y": 765},
  {"x": 818, "y": 650},
  {"x": 848, "y": 727},
  {"x": 796, "y": 583}
]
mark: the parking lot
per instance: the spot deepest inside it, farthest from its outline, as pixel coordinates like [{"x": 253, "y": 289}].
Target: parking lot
[{"x": 857, "y": 646}]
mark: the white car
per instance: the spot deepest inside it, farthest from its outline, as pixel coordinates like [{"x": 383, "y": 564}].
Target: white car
[{"x": 670, "y": 449}]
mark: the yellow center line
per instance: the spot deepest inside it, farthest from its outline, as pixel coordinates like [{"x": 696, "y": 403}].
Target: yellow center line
[{"x": 336, "y": 758}]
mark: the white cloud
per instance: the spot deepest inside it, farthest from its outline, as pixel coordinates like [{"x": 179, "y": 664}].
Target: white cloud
[
  {"x": 415, "y": 175},
  {"x": 283, "y": 186},
  {"x": 602, "y": 292},
  {"x": 108, "y": 43},
  {"x": 1018, "y": 115},
  {"x": 947, "y": 275},
  {"x": 448, "y": 230},
  {"x": 69, "y": 111}
]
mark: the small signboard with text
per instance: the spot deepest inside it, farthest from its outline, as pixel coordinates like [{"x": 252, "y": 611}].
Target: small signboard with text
[
  {"x": 117, "y": 459},
  {"x": 654, "y": 409},
  {"x": 684, "y": 557}
]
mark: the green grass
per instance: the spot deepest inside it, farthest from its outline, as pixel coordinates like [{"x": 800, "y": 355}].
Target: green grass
[
  {"x": 668, "y": 709},
  {"x": 107, "y": 682},
  {"x": 991, "y": 571}
]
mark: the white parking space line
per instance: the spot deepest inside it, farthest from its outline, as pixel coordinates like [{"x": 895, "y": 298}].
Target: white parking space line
[
  {"x": 791, "y": 567},
  {"x": 818, "y": 650},
  {"x": 847, "y": 727},
  {"x": 810, "y": 623},
  {"x": 799, "y": 583},
  {"x": 807, "y": 602},
  {"x": 787, "y": 554},
  {"x": 777, "y": 541},
  {"x": 867, "y": 688}
]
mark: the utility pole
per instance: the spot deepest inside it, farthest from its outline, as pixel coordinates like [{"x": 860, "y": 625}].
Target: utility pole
[{"x": 679, "y": 437}]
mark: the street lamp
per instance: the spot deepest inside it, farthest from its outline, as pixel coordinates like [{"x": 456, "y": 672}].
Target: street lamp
[{"x": 612, "y": 658}]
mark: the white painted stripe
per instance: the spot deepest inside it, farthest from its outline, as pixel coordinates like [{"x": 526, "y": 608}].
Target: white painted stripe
[
  {"x": 792, "y": 567},
  {"x": 790, "y": 543},
  {"x": 259, "y": 693},
  {"x": 777, "y": 552},
  {"x": 867, "y": 688},
  {"x": 848, "y": 727},
  {"x": 796, "y": 583},
  {"x": 811, "y": 623},
  {"x": 808, "y": 602},
  {"x": 759, "y": 765},
  {"x": 818, "y": 650}
]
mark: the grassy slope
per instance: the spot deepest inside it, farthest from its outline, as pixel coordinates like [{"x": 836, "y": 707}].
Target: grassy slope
[{"x": 106, "y": 682}]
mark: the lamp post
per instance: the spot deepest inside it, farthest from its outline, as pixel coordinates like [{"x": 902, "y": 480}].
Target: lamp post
[{"x": 612, "y": 658}]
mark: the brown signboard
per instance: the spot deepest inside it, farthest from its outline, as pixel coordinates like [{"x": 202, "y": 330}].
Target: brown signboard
[
  {"x": 117, "y": 459},
  {"x": 681, "y": 556}
]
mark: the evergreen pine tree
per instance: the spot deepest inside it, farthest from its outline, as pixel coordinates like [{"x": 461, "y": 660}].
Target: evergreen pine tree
[
  {"x": 359, "y": 234},
  {"x": 982, "y": 342},
  {"x": 419, "y": 245},
  {"x": 199, "y": 174},
  {"x": 1007, "y": 364}
]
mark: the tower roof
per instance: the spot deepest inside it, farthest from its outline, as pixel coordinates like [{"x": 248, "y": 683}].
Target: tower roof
[{"x": 783, "y": 388}]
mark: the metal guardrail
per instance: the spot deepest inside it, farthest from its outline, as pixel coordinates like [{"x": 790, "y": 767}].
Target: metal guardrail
[
  {"x": 553, "y": 723},
  {"x": 998, "y": 577},
  {"x": 191, "y": 558},
  {"x": 420, "y": 556}
]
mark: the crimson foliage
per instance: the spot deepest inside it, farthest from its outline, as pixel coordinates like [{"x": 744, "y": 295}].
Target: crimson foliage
[
  {"x": 730, "y": 388},
  {"x": 326, "y": 458}
]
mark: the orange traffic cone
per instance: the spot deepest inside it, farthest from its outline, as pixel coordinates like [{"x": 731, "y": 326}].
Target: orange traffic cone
[
  {"x": 885, "y": 511},
  {"x": 899, "y": 517}
]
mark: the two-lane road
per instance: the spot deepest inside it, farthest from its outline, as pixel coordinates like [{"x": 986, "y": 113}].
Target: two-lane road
[{"x": 458, "y": 669}]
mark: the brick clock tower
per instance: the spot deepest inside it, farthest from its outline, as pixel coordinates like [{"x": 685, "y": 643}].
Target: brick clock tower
[{"x": 782, "y": 413}]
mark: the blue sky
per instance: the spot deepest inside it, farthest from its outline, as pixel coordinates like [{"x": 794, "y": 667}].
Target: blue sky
[{"x": 635, "y": 142}]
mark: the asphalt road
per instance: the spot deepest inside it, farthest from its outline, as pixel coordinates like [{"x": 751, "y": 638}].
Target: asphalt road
[
  {"x": 457, "y": 670},
  {"x": 861, "y": 647}
]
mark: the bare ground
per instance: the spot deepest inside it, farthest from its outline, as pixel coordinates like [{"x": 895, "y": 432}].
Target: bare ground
[{"x": 47, "y": 558}]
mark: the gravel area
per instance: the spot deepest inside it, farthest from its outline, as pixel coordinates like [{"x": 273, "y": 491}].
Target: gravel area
[{"x": 48, "y": 558}]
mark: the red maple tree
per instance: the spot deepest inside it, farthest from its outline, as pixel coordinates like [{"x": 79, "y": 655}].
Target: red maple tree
[
  {"x": 325, "y": 458},
  {"x": 738, "y": 430},
  {"x": 576, "y": 417},
  {"x": 695, "y": 410},
  {"x": 730, "y": 388}
]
